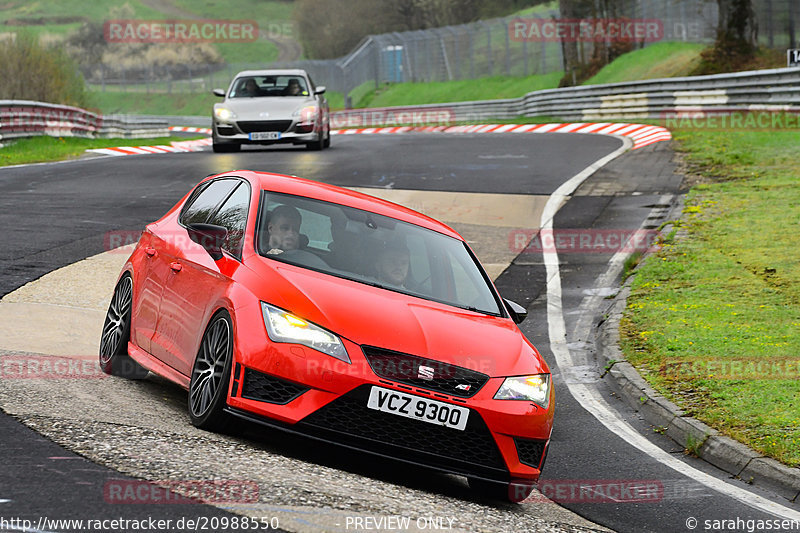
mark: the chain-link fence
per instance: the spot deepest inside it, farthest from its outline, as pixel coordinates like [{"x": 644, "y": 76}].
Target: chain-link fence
[
  {"x": 470, "y": 51},
  {"x": 493, "y": 47}
]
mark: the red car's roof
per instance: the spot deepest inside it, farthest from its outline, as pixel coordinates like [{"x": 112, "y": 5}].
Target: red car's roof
[{"x": 338, "y": 195}]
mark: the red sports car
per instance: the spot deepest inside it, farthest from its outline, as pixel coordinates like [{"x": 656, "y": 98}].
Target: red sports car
[{"x": 319, "y": 311}]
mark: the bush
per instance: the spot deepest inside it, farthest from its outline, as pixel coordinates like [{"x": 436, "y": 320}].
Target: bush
[
  {"x": 35, "y": 72},
  {"x": 99, "y": 59}
]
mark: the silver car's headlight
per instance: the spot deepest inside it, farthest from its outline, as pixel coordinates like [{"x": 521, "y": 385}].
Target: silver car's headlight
[
  {"x": 534, "y": 388},
  {"x": 306, "y": 113},
  {"x": 223, "y": 113},
  {"x": 283, "y": 326}
]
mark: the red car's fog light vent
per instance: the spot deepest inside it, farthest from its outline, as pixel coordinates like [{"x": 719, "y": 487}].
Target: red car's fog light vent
[
  {"x": 270, "y": 389},
  {"x": 425, "y": 373},
  {"x": 530, "y": 451}
]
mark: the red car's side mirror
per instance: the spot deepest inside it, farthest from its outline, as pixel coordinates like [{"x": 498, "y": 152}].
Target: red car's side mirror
[
  {"x": 210, "y": 236},
  {"x": 517, "y": 312}
]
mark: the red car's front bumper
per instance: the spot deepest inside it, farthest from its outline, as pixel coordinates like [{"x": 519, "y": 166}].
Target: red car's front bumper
[{"x": 300, "y": 390}]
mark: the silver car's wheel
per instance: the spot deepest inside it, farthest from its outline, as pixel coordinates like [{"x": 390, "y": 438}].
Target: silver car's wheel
[
  {"x": 114, "y": 359},
  {"x": 208, "y": 388}
]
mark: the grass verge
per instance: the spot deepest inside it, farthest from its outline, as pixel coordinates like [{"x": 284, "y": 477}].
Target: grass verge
[
  {"x": 457, "y": 91},
  {"x": 109, "y": 102},
  {"x": 662, "y": 60},
  {"x": 725, "y": 298},
  {"x": 43, "y": 149}
]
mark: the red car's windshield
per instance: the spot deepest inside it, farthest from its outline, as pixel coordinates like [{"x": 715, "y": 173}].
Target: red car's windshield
[{"x": 373, "y": 249}]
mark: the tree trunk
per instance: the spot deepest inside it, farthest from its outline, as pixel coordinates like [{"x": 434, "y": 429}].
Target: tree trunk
[
  {"x": 572, "y": 9},
  {"x": 738, "y": 26}
]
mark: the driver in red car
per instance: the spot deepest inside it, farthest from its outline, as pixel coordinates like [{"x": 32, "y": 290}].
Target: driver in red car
[
  {"x": 285, "y": 240},
  {"x": 284, "y": 229},
  {"x": 393, "y": 264}
]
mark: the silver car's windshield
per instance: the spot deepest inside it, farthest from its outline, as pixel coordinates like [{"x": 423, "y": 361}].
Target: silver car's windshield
[
  {"x": 265, "y": 86},
  {"x": 373, "y": 249}
]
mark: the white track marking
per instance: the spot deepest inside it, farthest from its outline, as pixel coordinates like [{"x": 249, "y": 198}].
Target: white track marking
[{"x": 588, "y": 396}]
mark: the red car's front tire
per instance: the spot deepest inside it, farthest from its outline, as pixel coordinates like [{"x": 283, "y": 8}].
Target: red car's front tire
[{"x": 211, "y": 372}]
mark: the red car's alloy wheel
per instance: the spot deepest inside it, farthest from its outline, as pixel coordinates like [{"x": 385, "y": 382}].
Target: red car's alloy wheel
[
  {"x": 114, "y": 359},
  {"x": 210, "y": 375}
]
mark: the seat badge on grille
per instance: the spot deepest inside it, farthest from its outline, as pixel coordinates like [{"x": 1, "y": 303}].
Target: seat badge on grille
[
  {"x": 463, "y": 386},
  {"x": 425, "y": 372},
  {"x": 263, "y": 114}
]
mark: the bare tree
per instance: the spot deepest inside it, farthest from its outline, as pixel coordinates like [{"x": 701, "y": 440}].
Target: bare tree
[
  {"x": 737, "y": 39},
  {"x": 738, "y": 26}
]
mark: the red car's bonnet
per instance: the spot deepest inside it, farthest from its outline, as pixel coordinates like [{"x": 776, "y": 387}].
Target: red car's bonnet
[{"x": 378, "y": 317}]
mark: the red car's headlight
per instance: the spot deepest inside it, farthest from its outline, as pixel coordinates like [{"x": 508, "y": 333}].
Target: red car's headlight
[
  {"x": 534, "y": 388},
  {"x": 283, "y": 326}
]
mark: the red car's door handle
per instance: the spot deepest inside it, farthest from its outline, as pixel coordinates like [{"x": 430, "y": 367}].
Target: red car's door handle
[
  {"x": 150, "y": 251},
  {"x": 176, "y": 267}
]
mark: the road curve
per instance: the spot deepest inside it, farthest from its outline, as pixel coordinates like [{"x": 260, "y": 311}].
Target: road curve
[{"x": 55, "y": 215}]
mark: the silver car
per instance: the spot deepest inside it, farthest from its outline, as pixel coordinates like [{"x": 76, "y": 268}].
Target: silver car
[{"x": 269, "y": 107}]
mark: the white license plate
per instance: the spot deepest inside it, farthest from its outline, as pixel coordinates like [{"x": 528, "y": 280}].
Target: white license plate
[
  {"x": 265, "y": 136},
  {"x": 418, "y": 408}
]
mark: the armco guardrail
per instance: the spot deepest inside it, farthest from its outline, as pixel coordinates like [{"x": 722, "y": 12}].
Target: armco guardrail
[
  {"x": 23, "y": 118},
  {"x": 777, "y": 90},
  {"x": 774, "y": 90}
]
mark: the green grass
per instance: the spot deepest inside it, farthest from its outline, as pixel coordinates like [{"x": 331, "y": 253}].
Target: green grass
[
  {"x": 41, "y": 149},
  {"x": 662, "y": 60},
  {"x": 50, "y": 9},
  {"x": 540, "y": 10},
  {"x": 154, "y": 103},
  {"x": 457, "y": 91},
  {"x": 729, "y": 290},
  {"x": 272, "y": 16}
]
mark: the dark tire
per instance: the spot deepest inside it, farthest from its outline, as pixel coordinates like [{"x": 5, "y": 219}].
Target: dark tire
[
  {"x": 513, "y": 492},
  {"x": 208, "y": 388},
  {"x": 319, "y": 144},
  {"x": 225, "y": 148},
  {"x": 114, "y": 358},
  {"x": 327, "y": 142}
]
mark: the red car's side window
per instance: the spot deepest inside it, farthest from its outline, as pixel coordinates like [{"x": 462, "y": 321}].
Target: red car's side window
[
  {"x": 233, "y": 217},
  {"x": 205, "y": 204}
]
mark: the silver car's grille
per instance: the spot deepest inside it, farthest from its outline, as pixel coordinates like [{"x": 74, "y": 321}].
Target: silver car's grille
[{"x": 250, "y": 126}]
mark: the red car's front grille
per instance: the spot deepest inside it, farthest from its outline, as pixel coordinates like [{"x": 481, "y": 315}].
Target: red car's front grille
[
  {"x": 425, "y": 373},
  {"x": 348, "y": 420}
]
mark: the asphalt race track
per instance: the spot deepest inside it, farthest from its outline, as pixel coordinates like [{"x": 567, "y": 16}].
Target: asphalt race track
[{"x": 53, "y": 215}]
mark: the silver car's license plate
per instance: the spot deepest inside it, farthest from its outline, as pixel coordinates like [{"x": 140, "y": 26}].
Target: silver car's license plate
[
  {"x": 265, "y": 136},
  {"x": 418, "y": 408}
]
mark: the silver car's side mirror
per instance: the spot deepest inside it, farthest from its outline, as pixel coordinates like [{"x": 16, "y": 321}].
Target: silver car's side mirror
[
  {"x": 219, "y": 92},
  {"x": 320, "y": 90}
]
